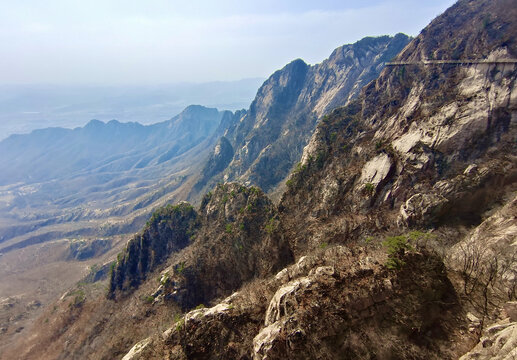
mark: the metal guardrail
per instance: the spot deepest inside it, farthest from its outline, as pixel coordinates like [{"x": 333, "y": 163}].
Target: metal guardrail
[{"x": 458, "y": 62}]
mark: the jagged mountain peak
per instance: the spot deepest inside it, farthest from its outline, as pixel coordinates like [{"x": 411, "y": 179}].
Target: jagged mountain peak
[
  {"x": 268, "y": 139},
  {"x": 359, "y": 49}
]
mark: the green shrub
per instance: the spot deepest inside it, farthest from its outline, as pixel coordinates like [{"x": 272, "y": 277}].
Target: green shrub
[
  {"x": 394, "y": 263},
  {"x": 271, "y": 225},
  {"x": 369, "y": 188},
  {"x": 180, "y": 267},
  {"x": 180, "y": 323},
  {"x": 228, "y": 228},
  {"x": 79, "y": 298},
  {"x": 397, "y": 246},
  {"x": 320, "y": 159}
]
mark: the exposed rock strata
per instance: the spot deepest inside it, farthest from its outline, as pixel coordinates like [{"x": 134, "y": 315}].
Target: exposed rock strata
[{"x": 268, "y": 139}]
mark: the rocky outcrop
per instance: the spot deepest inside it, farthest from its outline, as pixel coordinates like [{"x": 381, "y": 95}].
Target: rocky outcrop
[
  {"x": 231, "y": 239},
  {"x": 268, "y": 139},
  {"x": 238, "y": 241},
  {"x": 327, "y": 292},
  {"x": 499, "y": 342},
  {"x": 138, "y": 351},
  {"x": 326, "y": 305},
  {"x": 169, "y": 230}
]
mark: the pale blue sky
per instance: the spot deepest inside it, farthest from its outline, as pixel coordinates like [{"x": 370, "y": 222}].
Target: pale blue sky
[{"x": 168, "y": 41}]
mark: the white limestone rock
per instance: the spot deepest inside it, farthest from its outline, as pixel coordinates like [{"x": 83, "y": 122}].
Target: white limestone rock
[
  {"x": 376, "y": 170},
  {"x": 137, "y": 351},
  {"x": 265, "y": 339},
  {"x": 284, "y": 300},
  {"x": 419, "y": 208},
  {"x": 498, "y": 343}
]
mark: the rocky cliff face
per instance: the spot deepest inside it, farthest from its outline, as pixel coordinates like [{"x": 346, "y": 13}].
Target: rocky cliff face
[
  {"x": 268, "y": 139},
  {"x": 230, "y": 240},
  {"x": 169, "y": 230},
  {"x": 423, "y": 145}
]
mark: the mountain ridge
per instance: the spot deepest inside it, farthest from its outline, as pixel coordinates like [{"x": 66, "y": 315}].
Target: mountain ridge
[{"x": 268, "y": 139}]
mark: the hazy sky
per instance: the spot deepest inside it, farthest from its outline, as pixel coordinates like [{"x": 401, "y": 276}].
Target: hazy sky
[{"x": 166, "y": 41}]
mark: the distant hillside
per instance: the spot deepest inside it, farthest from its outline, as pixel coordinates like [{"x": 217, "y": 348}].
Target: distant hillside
[
  {"x": 62, "y": 177},
  {"x": 56, "y": 153}
]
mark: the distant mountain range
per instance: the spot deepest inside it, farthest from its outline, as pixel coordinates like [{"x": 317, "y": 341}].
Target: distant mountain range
[
  {"x": 98, "y": 147},
  {"x": 32, "y": 106},
  {"x": 61, "y": 176}
]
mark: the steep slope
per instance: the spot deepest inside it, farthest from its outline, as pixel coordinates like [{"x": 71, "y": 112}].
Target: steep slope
[
  {"x": 54, "y": 231},
  {"x": 419, "y": 159},
  {"x": 268, "y": 139}
]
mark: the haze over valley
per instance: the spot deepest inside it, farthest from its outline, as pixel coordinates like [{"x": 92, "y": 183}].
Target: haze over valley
[{"x": 28, "y": 107}]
